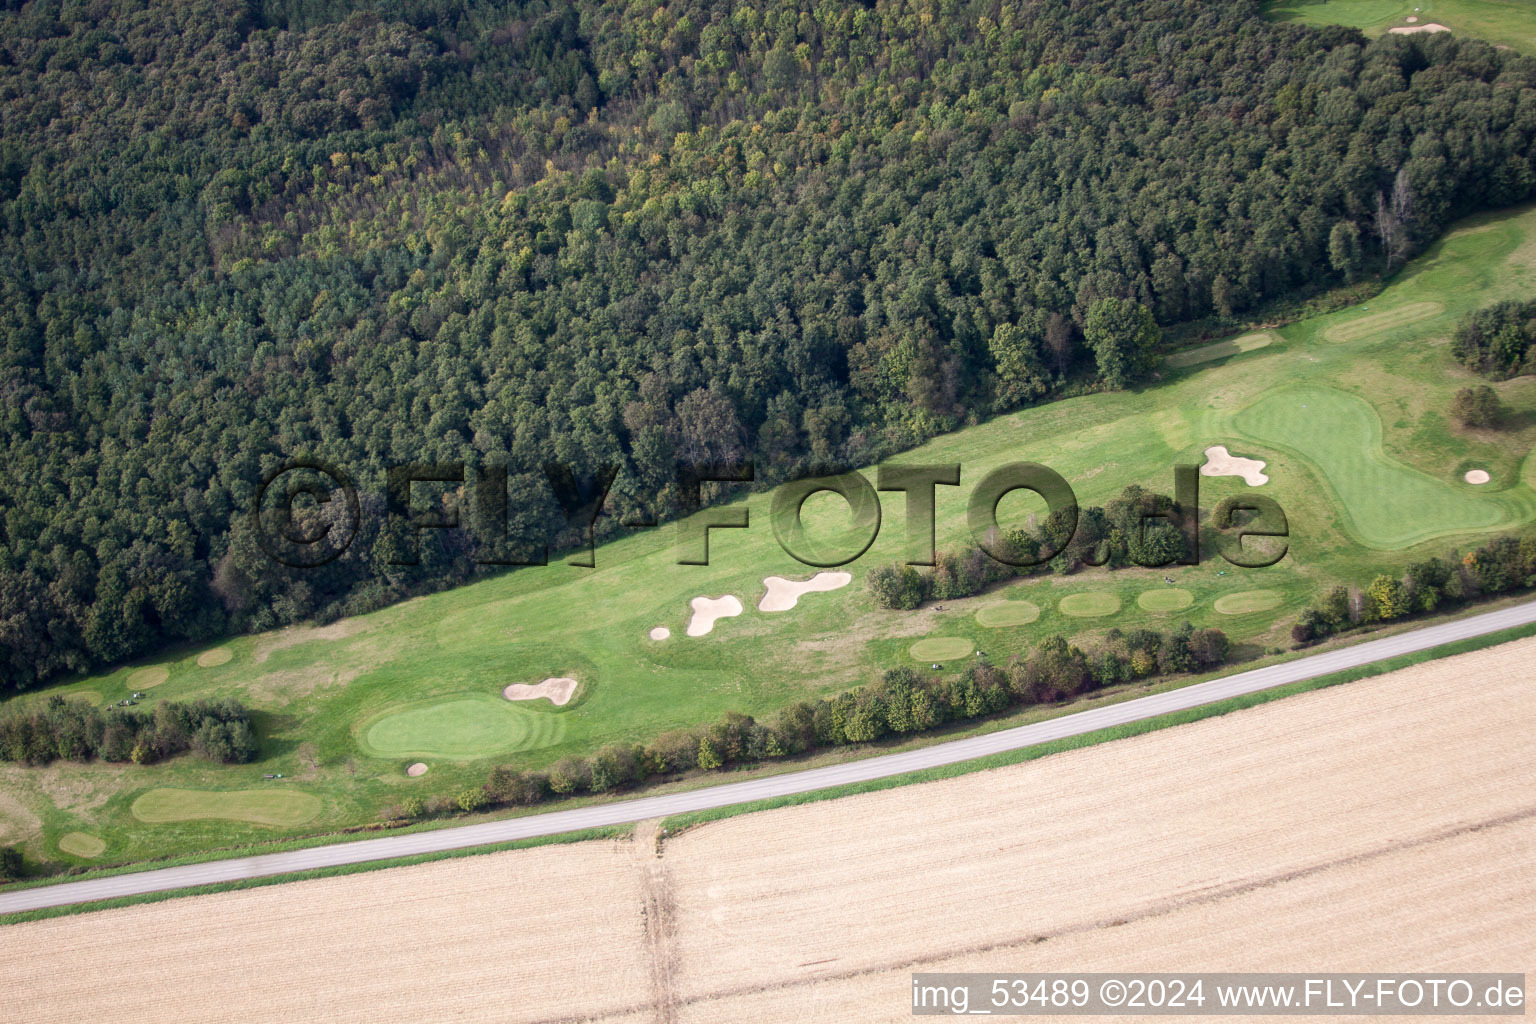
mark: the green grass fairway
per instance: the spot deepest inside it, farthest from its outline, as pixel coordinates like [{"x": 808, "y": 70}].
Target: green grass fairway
[
  {"x": 1249, "y": 601},
  {"x": 346, "y": 706},
  {"x": 942, "y": 648},
  {"x": 1388, "y": 505},
  {"x": 1008, "y": 613},
  {"x": 1358, "y": 328},
  {"x": 1220, "y": 350},
  {"x": 462, "y": 728},
  {"x": 1161, "y": 601},
  {"x": 274, "y": 806},
  {"x": 81, "y": 845},
  {"x": 1501, "y": 22},
  {"x": 1090, "y": 605}
]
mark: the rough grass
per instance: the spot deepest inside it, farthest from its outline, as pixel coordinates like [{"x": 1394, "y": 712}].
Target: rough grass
[
  {"x": 460, "y": 728},
  {"x": 1249, "y": 601},
  {"x": 1170, "y": 600},
  {"x": 1008, "y": 613},
  {"x": 274, "y": 806},
  {"x": 942, "y": 648},
  {"x": 1093, "y": 604}
]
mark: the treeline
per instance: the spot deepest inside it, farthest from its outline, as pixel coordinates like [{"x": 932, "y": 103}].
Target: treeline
[
  {"x": 1502, "y": 565},
  {"x": 627, "y": 233},
  {"x": 1136, "y": 528},
  {"x": 904, "y": 701},
  {"x": 73, "y": 730},
  {"x": 1497, "y": 340}
]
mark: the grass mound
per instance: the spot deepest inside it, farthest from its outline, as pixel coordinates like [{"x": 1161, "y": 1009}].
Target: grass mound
[
  {"x": 275, "y": 806},
  {"x": 461, "y": 728},
  {"x": 1008, "y": 613},
  {"x": 214, "y": 658},
  {"x": 1248, "y": 601},
  {"x": 1389, "y": 505},
  {"x": 942, "y": 648},
  {"x": 144, "y": 678},
  {"x": 80, "y": 844},
  {"x": 1169, "y": 600},
  {"x": 1220, "y": 350},
  {"x": 1090, "y": 605}
]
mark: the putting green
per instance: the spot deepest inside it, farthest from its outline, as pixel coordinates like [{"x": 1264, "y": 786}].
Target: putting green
[
  {"x": 217, "y": 656},
  {"x": 1008, "y": 613},
  {"x": 275, "y": 806},
  {"x": 1246, "y": 602},
  {"x": 1388, "y": 505},
  {"x": 81, "y": 845},
  {"x": 1170, "y": 600},
  {"x": 1384, "y": 321},
  {"x": 144, "y": 678},
  {"x": 1090, "y": 605},
  {"x": 461, "y": 728},
  {"x": 942, "y": 648},
  {"x": 1220, "y": 350}
]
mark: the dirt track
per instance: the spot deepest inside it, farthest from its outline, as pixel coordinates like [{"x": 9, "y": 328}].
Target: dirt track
[{"x": 1385, "y": 825}]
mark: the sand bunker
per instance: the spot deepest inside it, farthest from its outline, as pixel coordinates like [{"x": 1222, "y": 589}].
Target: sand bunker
[
  {"x": 1477, "y": 476},
  {"x": 782, "y": 593},
  {"x": 707, "y": 609},
  {"x": 1220, "y": 462},
  {"x": 558, "y": 689},
  {"x": 1408, "y": 30},
  {"x": 417, "y": 770},
  {"x": 1412, "y": 19},
  {"x": 660, "y": 633}
]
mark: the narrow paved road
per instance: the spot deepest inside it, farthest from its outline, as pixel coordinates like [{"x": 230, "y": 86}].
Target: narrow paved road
[{"x": 623, "y": 811}]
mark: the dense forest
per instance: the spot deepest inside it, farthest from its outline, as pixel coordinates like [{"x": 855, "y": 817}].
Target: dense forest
[{"x": 807, "y": 233}]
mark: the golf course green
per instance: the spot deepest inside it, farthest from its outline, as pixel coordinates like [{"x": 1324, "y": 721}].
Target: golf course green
[
  {"x": 1389, "y": 505},
  {"x": 461, "y": 728}
]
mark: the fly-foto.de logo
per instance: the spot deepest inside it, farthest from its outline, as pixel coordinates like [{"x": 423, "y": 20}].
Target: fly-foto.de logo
[{"x": 307, "y": 512}]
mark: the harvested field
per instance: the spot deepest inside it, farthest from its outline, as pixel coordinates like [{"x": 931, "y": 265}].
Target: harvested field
[{"x": 1388, "y": 822}]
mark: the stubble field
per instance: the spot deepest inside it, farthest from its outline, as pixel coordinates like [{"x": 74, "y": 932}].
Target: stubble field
[{"x": 1389, "y": 824}]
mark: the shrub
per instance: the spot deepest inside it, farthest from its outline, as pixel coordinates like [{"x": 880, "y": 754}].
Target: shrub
[{"x": 1478, "y": 407}]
